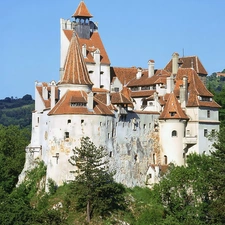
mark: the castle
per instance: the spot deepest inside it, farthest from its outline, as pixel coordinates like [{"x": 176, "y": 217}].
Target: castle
[{"x": 145, "y": 118}]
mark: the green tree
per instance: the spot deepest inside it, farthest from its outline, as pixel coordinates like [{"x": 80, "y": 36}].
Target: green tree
[
  {"x": 13, "y": 141},
  {"x": 185, "y": 192},
  {"x": 94, "y": 186},
  {"x": 218, "y": 179}
]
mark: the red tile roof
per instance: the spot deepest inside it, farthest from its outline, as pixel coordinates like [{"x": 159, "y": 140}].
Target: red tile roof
[
  {"x": 64, "y": 105},
  {"x": 145, "y": 93},
  {"x": 128, "y": 76},
  {"x": 173, "y": 110},
  {"x": 218, "y": 74},
  {"x": 75, "y": 69},
  {"x": 187, "y": 62},
  {"x": 82, "y": 11},
  {"x": 125, "y": 75},
  {"x": 196, "y": 89},
  {"x": 119, "y": 98},
  {"x": 92, "y": 44}
]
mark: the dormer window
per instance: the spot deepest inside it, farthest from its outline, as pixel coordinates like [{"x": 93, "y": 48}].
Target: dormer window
[
  {"x": 116, "y": 89},
  {"x": 78, "y": 104},
  {"x": 135, "y": 89},
  {"x": 172, "y": 113},
  {"x": 145, "y": 88},
  {"x": 205, "y": 99}
]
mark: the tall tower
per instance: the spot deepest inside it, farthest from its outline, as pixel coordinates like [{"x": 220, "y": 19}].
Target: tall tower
[{"x": 82, "y": 24}]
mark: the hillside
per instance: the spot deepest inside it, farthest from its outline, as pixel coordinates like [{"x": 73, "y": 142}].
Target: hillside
[
  {"x": 16, "y": 111},
  {"x": 216, "y": 85}
]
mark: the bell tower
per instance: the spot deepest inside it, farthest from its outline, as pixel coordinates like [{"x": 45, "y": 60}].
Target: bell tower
[{"x": 82, "y": 24}]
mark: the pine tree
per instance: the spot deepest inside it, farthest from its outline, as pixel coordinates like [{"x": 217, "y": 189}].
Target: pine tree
[{"x": 94, "y": 186}]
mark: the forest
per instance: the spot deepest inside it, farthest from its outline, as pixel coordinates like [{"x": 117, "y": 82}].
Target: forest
[{"x": 186, "y": 195}]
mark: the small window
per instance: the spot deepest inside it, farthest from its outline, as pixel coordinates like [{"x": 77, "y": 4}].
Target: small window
[
  {"x": 68, "y": 121},
  {"x": 144, "y": 126},
  {"x": 67, "y": 135},
  {"x": 38, "y": 120},
  {"x": 135, "y": 157},
  {"x": 174, "y": 133},
  {"x": 205, "y": 132},
  {"x": 108, "y": 135},
  {"x": 153, "y": 156},
  {"x": 100, "y": 124},
  {"x": 172, "y": 113},
  {"x": 82, "y": 122},
  {"x": 116, "y": 89},
  {"x": 110, "y": 154},
  {"x": 188, "y": 133},
  {"x": 208, "y": 113},
  {"x": 213, "y": 133},
  {"x": 165, "y": 160}
]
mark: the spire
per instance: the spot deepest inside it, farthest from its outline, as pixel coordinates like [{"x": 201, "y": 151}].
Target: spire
[
  {"x": 82, "y": 11},
  {"x": 75, "y": 69}
]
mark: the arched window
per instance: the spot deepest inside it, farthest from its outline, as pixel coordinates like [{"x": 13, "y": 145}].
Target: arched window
[{"x": 174, "y": 133}]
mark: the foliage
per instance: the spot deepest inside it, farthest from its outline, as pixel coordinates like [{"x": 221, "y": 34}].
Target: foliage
[
  {"x": 16, "y": 111},
  {"x": 94, "y": 186},
  {"x": 194, "y": 194},
  {"x": 218, "y": 179},
  {"x": 13, "y": 141}
]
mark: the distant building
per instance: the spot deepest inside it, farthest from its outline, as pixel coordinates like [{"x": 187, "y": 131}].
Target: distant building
[
  {"x": 145, "y": 118},
  {"x": 219, "y": 74}
]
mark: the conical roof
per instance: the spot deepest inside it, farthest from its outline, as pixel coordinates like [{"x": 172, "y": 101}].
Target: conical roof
[
  {"x": 82, "y": 11},
  {"x": 173, "y": 110},
  {"x": 75, "y": 69}
]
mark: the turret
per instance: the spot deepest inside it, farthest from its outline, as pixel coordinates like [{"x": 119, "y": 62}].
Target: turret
[{"x": 82, "y": 21}]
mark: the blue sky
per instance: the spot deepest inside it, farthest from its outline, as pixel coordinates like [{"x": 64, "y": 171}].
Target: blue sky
[{"x": 132, "y": 31}]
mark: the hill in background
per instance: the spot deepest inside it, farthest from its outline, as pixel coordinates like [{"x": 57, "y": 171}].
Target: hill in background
[{"x": 17, "y": 111}]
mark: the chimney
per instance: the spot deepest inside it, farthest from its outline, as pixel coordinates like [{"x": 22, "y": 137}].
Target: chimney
[
  {"x": 44, "y": 91},
  {"x": 108, "y": 102},
  {"x": 90, "y": 101},
  {"x": 175, "y": 58},
  {"x": 53, "y": 84},
  {"x": 184, "y": 92},
  {"x": 192, "y": 64},
  {"x": 139, "y": 73},
  {"x": 169, "y": 84},
  {"x": 151, "y": 68},
  {"x": 61, "y": 72},
  {"x": 84, "y": 50}
]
